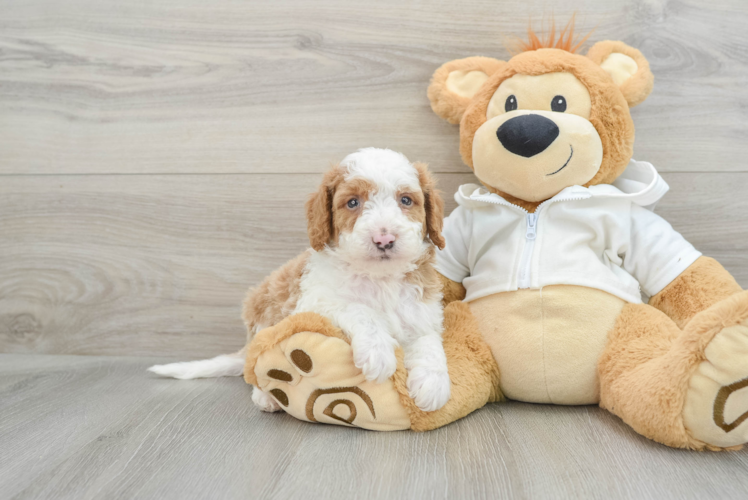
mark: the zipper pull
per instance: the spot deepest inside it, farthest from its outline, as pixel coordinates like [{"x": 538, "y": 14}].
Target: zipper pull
[{"x": 532, "y": 224}]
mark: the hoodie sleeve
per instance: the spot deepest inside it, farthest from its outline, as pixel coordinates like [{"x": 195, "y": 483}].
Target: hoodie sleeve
[
  {"x": 452, "y": 262},
  {"x": 657, "y": 253}
]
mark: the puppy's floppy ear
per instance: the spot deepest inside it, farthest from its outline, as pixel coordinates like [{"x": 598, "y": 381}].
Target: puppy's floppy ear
[
  {"x": 319, "y": 209},
  {"x": 455, "y": 83},
  {"x": 433, "y": 204},
  {"x": 628, "y": 68}
]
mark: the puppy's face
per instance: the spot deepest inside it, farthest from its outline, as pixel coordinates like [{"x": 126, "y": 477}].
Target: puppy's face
[{"x": 376, "y": 210}]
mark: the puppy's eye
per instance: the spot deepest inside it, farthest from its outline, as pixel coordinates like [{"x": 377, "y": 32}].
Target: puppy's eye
[
  {"x": 558, "y": 104},
  {"x": 352, "y": 203},
  {"x": 406, "y": 200},
  {"x": 510, "y": 104}
]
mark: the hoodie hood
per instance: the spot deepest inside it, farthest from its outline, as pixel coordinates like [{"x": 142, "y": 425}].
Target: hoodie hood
[{"x": 640, "y": 183}]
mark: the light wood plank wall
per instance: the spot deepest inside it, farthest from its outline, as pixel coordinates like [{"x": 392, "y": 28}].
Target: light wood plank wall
[{"x": 155, "y": 156}]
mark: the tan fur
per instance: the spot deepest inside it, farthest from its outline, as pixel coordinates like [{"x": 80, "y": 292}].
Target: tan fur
[
  {"x": 609, "y": 114},
  {"x": 425, "y": 276},
  {"x": 446, "y": 104},
  {"x": 699, "y": 287},
  {"x": 433, "y": 204},
  {"x": 547, "y": 342},
  {"x": 275, "y": 298},
  {"x": 634, "y": 383},
  {"x": 319, "y": 209},
  {"x": 646, "y": 367},
  {"x": 344, "y": 218},
  {"x": 654, "y": 349},
  {"x": 639, "y": 86},
  {"x": 476, "y": 380},
  {"x": 416, "y": 211},
  {"x": 451, "y": 290}
]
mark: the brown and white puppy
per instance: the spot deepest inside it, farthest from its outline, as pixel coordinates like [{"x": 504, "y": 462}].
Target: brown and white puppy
[{"x": 372, "y": 225}]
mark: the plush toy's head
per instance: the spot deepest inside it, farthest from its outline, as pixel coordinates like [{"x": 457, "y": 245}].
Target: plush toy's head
[{"x": 545, "y": 119}]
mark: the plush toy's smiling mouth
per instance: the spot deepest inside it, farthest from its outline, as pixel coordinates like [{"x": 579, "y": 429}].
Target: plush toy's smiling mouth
[{"x": 567, "y": 162}]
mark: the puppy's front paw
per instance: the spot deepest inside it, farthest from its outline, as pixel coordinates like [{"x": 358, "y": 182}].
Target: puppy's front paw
[
  {"x": 375, "y": 357},
  {"x": 264, "y": 401},
  {"x": 429, "y": 389}
]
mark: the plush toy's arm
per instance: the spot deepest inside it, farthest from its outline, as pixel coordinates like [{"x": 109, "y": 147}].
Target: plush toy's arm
[
  {"x": 701, "y": 285},
  {"x": 451, "y": 290}
]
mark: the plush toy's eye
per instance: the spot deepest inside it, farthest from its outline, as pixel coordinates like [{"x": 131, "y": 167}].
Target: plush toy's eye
[
  {"x": 352, "y": 203},
  {"x": 511, "y": 103},
  {"x": 558, "y": 104},
  {"x": 406, "y": 200}
]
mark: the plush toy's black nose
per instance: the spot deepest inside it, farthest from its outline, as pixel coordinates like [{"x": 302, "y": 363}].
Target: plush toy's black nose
[{"x": 527, "y": 135}]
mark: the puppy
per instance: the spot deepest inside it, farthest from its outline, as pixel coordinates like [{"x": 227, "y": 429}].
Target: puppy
[{"x": 372, "y": 225}]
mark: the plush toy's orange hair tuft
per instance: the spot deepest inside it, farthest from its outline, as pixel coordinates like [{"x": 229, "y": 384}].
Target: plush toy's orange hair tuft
[{"x": 566, "y": 40}]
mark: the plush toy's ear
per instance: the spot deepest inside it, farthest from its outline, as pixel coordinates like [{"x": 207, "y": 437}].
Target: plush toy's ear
[
  {"x": 627, "y": 67},
  {"x": 455, "y": 83}
]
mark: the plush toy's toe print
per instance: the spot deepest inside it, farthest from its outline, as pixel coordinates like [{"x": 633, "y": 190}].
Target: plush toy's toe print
[
  {"x": 264, "y": 401},
  {"x": 306, "y": 367},
  {"x": 716, "y": 409},
  {"x": 429, "y": 389}
]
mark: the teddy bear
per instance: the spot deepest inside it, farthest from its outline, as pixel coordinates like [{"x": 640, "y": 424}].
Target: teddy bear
[{"x": 561, "y": 285}]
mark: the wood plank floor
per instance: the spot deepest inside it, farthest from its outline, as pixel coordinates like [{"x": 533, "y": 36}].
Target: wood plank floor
[
  {"x": 154, "y": 162},
  {"x": 101, "y": 427}
]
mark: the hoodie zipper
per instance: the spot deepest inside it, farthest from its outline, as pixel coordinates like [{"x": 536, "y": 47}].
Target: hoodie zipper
[
  {"x": 524, "y": 273},
  {"x": 523, "y": 280}
]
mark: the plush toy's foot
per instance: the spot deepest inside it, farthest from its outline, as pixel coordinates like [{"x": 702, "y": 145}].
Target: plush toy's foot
[
  {"x": 306, "y": 366},
  {"x": 716, "y": 407},
  {"x": 264, "y": 401},
  {"x": 682, "y": 388}
]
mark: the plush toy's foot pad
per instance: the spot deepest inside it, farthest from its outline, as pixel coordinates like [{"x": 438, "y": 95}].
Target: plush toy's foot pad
[
  {"x": 716, "y": 409},
  {"x": 313, "y": 378}
]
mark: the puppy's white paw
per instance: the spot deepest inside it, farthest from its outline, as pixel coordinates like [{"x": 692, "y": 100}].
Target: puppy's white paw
[
  {"x": 375, "y": 357},
  {"x": 264, "y": 401},
  {"x": 429, "y": 389}
]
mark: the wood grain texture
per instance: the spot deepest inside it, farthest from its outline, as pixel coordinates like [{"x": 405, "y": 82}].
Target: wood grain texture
[
  {"x": 142, "y": 264},
  {"x": 101, "y": 427},
  {"x": 159, "y": 264},
  {"x": 286, "y": 86},
  {"x": 154, "y": 161}
]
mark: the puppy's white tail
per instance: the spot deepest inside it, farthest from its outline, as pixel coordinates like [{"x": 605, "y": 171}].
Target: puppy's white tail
[{"x": 225, "y": 365}]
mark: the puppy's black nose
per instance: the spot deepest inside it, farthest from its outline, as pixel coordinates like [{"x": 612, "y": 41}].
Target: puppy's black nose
[{"x": 527, "y": 135}]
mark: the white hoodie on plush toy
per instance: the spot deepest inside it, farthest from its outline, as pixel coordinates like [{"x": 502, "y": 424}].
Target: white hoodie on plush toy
[
  {"x": 604, "y": 237},
  {"x": 572, "y": 266}
]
